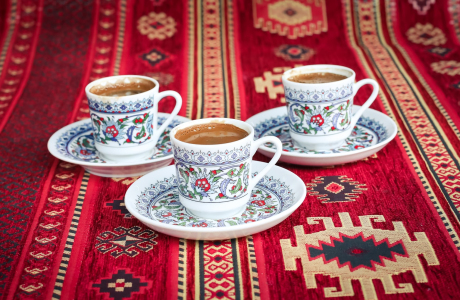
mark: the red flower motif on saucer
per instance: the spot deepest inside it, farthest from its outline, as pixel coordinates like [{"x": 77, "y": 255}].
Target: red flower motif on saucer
[{"x": 258, "y": 202}]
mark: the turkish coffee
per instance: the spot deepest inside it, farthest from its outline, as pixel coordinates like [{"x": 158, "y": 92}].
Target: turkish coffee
[
  {"x": 323, "y": 77},
  {"x": 123, "y": 87},
  {"x": 211, "y": 134}
]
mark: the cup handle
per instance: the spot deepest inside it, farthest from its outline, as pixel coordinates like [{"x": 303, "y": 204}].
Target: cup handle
[
  {"x": 255, "y": 145},
  {"x": 369, "y": 101},
  {"x": 157, "y": 132}
]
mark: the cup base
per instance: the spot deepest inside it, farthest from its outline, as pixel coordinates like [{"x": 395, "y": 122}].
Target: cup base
[
  {"x": 320, "y": 142},
  {"x": 127, "y": 158},
  {"x": 318, "y": 147},
  {"x": 218, "y": 215}
]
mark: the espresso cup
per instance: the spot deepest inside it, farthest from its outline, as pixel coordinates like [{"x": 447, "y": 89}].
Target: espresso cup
[
  {"x": 214, "y": 181},
  {"x": 320, "y": 114},
  {"x": 125, "y": 126}
]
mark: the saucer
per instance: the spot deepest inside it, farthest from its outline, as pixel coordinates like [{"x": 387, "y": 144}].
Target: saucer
[
  {"x": 373, "y": 131},
  {"x": 75, "y": 144},
  {"x": 153, "y": 199}
]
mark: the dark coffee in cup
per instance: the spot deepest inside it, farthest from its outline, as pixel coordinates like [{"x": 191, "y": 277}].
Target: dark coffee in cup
[
  {"x": 122, "y": 88},
  {"x": 323, "y": 77},
  {"x": 211, "y": 134}
]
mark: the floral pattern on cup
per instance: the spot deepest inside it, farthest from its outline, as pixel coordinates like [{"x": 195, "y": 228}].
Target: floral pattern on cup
[
  {"x": 212, "y": 158},
  {"x": 120, "y": 107},
  {"x": 78, "y": 143},
  {"x": 134, "y": 129},
  {"x": 317, "y": 119},
  {"x": 160, "y": 202},
  {"x": 221, "y": 184},
  {"x": 366, "y": 133},
  {"x": 318, "y": 96}
]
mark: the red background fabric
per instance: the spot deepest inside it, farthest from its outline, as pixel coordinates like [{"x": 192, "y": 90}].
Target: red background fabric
[{"x": 55, "y": 217}]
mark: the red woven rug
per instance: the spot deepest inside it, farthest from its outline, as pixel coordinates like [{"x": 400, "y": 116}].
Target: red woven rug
[{"x": 58, "y": 223}]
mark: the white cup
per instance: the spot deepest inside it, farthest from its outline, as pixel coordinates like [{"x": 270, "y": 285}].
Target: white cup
[
  {"x": 214, "y": 181},
  {"x": 320, "y": 114},
  {"x": 125, "y": 127}
]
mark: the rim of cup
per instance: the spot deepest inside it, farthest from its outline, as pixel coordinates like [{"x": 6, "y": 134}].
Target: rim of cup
[
  {"x": 105, "y": 79},
  {"x": 317, "y": 69},
  {"x": 240, "y": 124}
]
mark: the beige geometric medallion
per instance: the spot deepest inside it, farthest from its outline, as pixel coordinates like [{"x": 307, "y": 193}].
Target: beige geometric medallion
[{"x": 363, "y": 253}]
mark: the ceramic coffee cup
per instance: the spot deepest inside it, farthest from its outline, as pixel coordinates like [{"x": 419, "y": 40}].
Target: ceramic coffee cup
[
  {"x": 125, "y": 127},
  {"x": 320, "y": 114},
  {"x": 214, "y": 181}
]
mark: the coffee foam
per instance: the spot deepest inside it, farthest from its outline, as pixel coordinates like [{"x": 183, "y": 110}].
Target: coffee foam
[
  {"x": 120, "y": 84},
  {"x": 188, "y": 132}
]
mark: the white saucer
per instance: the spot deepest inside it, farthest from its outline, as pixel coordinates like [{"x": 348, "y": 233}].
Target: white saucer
[
  {"x": 372, "y": 132},
  {"x": 74, "y": 144},
  {"x": 154, "y": 201}
]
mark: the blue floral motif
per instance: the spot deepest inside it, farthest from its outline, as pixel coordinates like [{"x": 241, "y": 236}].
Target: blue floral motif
[
  {"x": 77, "y": 143},
  {"x": 212, "y": 158},
  {"x": 316, "y": 119},
  {"x": 160, "y": 202},
  {"x": 366, "y": 133},
  {"x": 314, "y": 96},
  {"x": 120, "y": 107}
]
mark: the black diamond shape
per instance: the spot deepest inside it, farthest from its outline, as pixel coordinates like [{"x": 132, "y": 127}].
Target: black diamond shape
[
  {"x": 120, "y": 286},
  {"x": 154, "y": 57},
  {"x": 439, "y": 51},
  {"x": 357, "y": 252}
]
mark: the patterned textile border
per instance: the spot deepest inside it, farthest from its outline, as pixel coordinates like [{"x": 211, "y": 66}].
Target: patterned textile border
[
  {"x": 390, "y": 19},
  {"x": 236, "y": 79},
  {"x": 70, "y": 239},
  {"x": 404, "y": 140},
  {"x": 106, "y": 18},
  {"x": 218, "y": 271},
  {"x": 441, "y": 158},
  {"x": 51, "y": 230},
  {"x": 182, "y": 274},
  {"x": 253, "y": 268},
  {"x": 18, "y": 53},
  {"x": 191, "y": 58},
  {"x": 213, "y": 97}
]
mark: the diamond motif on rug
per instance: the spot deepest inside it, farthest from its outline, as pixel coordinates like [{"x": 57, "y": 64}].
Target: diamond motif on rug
[
  {"x": 119, "y": 207},
  {"x": 294, "y": 52},
  {"x": 440, "y": 51},
  {"x": 335, "y": 188},
  {"x": 126, "y": 241},
  {"x": 154, "y": 57},
  {"x": 357, "y": 251},
  {"x": 121, "y": 285}
]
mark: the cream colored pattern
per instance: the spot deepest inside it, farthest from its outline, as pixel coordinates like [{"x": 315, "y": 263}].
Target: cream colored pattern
[
  {"x": 167, "y": 26},
  {"x": 426, "y": 35},
  {"x": 450, "y": 67},
  {"x": 311, "y": 267}
]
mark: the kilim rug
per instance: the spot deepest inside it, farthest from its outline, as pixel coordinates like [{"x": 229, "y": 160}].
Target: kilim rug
[{"x": 62, "y": 229}]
